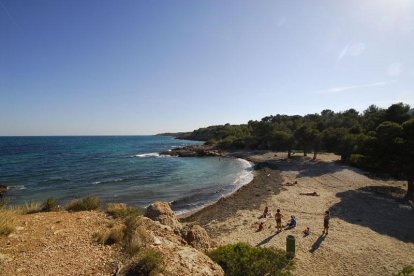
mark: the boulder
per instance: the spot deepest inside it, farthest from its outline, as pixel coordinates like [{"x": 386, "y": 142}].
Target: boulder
[
  {"x": 178, "y": 258},
  {"x": 3, "y": 190},
  {"x": 197, "y": 237},
  {"x": 161, "y": 211}
]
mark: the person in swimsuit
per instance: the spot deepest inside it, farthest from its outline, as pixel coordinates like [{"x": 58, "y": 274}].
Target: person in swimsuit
[{"x": 278, "y": 217}]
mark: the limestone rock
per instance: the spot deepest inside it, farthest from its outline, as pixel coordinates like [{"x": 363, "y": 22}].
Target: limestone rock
[
  {"x": 161, "y": 211},
  {"x": 197, "y": 237}
]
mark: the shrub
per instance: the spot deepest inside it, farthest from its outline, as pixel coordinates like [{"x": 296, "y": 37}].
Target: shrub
[
  {"x": 121, "y": 210},
  {"x": 407, "y": 271},
  {"x": 358, "y": 160},
  {"x": 135, "y": 235},
  {"x": 7, "y": 222},
  {"x": 149, "y": 263},
  {"x": 50, "y": 204},
  {"x": 243, "y": 259},
  {"x": 84, "y": 204},
  {"x": 116, "y": 235}
]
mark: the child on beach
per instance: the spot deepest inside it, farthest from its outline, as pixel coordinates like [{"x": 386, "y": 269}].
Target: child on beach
[
  {"x": 326, "y": 223},
  {"x": 292, "y": 223},
  {"x": 278, "y": 217},
  {"x": 306, "y": 232},
  {"x": 265, "y": 212}
]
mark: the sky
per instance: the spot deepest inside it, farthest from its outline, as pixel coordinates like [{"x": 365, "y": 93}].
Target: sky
[{"x": 127, "y": 67}]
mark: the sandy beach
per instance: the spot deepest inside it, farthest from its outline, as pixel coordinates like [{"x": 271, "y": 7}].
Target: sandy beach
[{"x": 371, "y": 231}]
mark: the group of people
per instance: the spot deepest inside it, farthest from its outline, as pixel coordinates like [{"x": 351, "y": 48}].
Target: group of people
[{"x": 292, "y": 223}]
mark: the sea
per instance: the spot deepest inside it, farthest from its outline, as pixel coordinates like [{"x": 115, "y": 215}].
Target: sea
[{"x": 120, "y": 169}]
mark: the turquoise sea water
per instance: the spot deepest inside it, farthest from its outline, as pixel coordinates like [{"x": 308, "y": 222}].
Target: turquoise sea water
[{"x": 124, "y": 169}]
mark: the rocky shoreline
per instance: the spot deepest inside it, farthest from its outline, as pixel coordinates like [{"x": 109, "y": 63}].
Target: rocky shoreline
[{"x": 193, "y": 151}]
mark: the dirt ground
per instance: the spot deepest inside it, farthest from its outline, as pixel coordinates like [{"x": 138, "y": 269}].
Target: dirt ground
[
  {"x": 371, "y": 230},
  {"x": 58, "y": 243}
]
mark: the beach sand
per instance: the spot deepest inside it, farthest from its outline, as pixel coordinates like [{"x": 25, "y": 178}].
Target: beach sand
[{"x": 371, "y": 232}]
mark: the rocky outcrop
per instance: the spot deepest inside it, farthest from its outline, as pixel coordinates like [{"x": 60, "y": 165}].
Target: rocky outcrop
[
  {"x": 181, "y": 247},
  {"x": 161, "y": 211},
  {"x": 178, "y": 257},
  {"x": 197, "y": 237},
  {"x": 193, "y": 151},
  {"x": 3, "y": 190}
]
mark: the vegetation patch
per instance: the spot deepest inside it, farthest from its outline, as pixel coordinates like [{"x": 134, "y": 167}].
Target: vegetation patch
[
  {"x": 149, "y": 263},
  {"x": 121, "y": 210},
  {"x": 84, "y": 204},
  {"x": 51, "y": 204},
  {"x": 243, "y": 259},
  {"x": 407, "y": 271},
  {"x": 115, "y": 235},
  {"x": 7, "y": 222}
]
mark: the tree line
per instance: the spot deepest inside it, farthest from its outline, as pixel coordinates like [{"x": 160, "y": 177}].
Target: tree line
[{"x": 377, "y": 139}]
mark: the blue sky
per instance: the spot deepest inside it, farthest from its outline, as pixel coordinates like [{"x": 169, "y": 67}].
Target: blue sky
[{"x": 142, "y": 67}]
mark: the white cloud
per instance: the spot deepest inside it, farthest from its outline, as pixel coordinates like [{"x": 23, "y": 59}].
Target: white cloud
[
  {"x": 394, "y": 69},
  {"x": 351, "y": 49},
  {"x": 338, "y": 89}
]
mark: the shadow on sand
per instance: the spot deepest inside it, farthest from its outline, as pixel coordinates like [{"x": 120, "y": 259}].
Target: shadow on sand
[
  {"x": 317, "y": 243},
  {"x": 268, "y": 239},
  {"x": 384, "y": 215}
]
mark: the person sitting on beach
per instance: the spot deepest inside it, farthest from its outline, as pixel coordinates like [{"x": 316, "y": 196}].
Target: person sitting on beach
[
  {"x": 261, "y": 225},
  {"x": 292, "y": 223},
  {"x": 310, "y": 194},
  {"x": 278, "y": 217},
  {"x": 306, "y": 232},
  {"x": 266, "y": 213}
]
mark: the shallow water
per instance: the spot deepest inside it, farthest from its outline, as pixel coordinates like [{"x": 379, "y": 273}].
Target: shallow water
[{"x": 124, "y": 169}]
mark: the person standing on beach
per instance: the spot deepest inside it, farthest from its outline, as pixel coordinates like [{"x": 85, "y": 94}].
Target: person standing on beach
[
  {"x": 326, "y": 223},
  {"x": 278, "y": 217}
]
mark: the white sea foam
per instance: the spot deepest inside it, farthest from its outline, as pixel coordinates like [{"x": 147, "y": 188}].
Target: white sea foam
[
  {"x": 151, "y": 154},
  {"x": 243, "y": 178},
  {"x": 17, "y": 187},
  {"x": 246, "y": 175}
]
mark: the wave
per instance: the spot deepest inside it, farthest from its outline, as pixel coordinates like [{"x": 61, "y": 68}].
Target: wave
[
  {"x": 108, "y": 181},
  {"x": 17, "y": 187},
  {"x": 151, "y": 154},
  {"x": 246, "y": 175},
  {"x": 201, "y": 198}
]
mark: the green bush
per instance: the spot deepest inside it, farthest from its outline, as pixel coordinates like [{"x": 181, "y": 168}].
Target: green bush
[
  {"x": 407, "y": 271},
  {"x": 357, "y": 160},
  {"x": 150, "y": 263},
  {"x": 84, "y": 204},
  {"x": 50, "y": 204},
  {"x": 243, "y": 259}
]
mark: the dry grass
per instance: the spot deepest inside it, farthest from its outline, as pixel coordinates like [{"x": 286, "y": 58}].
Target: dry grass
[
  {"x": 27, "y": 208},
  {"x": 115, "y": 235},
  {"x": 136, "y": 237},
  {"x": 7, "y": 222},
  {"x": 121, "y": 210},
  {"x": 51, "y": 204},
  {"x": 84, "y": 204}
]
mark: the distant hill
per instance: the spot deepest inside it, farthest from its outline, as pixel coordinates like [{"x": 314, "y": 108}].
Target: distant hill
[{"x": 177, "y": 135}]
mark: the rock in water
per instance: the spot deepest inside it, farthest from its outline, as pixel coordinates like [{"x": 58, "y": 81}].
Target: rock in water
[
  {"x": 161, "y": 211},
  {"x": 3, "y": 190}
]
